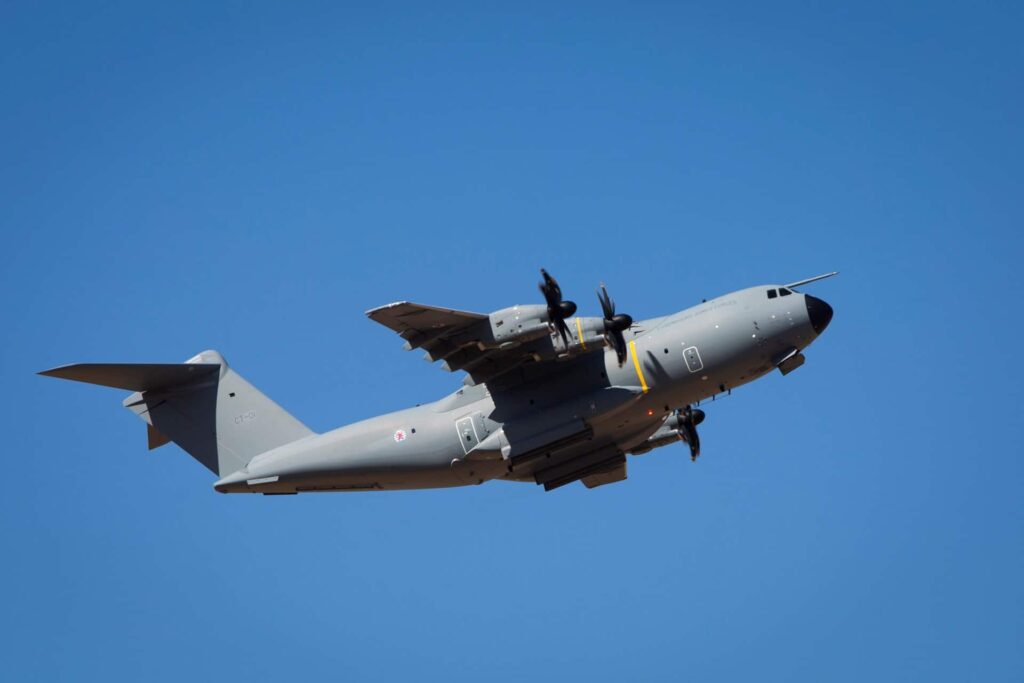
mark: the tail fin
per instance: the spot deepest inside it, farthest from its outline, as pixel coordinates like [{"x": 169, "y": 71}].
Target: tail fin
[{"x": 202, "y": 405}]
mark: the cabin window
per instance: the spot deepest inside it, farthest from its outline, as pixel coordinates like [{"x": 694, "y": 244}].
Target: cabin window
[{"x": 772, "y": 294}]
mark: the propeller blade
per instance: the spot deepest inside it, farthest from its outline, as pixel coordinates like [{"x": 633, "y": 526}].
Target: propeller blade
[
  {"x": 607, "y": 305},
  {"x": 688, "y": 421},
  {"x": 563, "y": 330},
  {"x": 550, "y": 289},
  {"x": 614, "y": 325},
  {"x": 698, "y": 416},
  {"x": 558, "y": 310},
  {"x": 619, "y": 344}
]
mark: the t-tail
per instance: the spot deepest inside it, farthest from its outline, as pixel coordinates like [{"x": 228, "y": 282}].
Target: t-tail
[{"x": 202, "y": 405}]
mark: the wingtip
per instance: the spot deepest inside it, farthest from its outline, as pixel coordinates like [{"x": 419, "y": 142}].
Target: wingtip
[{"x": 369, "y": 313}]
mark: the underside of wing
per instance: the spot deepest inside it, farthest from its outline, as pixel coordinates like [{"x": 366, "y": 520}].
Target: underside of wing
[
  {"x": 445, "y": 334},
  {"x": 461, "y": 339}
]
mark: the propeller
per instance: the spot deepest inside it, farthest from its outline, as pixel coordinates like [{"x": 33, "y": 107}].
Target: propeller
[
  {"x": 689, "y": 418},
  {"x": 558, "y": 310},
  {"x": 614, "y": 325}
]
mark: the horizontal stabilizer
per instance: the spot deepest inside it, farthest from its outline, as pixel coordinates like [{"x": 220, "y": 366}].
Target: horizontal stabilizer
[{"x": 133, "y": 376}]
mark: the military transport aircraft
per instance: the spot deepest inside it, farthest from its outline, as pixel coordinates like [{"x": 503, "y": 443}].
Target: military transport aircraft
[{"x": 547, "y": 397}]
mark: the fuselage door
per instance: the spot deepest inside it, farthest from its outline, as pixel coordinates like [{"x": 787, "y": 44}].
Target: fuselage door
[
  {"x": 693, "y": 361},
  {"x": 468, "y": 429}
]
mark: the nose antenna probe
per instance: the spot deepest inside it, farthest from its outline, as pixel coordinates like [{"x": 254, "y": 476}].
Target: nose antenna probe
[{"x": 812, "y": 279}]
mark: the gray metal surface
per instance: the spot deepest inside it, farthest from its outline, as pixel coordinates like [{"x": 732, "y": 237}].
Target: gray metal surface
[{"x": 537, "y": 406}]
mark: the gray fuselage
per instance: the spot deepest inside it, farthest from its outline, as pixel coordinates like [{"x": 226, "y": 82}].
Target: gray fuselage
[{"x": 673, "y": 361}]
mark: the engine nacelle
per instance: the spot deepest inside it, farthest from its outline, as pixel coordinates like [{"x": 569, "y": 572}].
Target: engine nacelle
[
  {"x": 668, "y": 433},
  {"x": 511, "y": 327},
  {"x": 530, "y": 327},
  {"x": 585, "y": 336},
  {"x": 527, "y": 328},
  {"x": 519, "y": 325},
  {"x": 679, "y": 426}
]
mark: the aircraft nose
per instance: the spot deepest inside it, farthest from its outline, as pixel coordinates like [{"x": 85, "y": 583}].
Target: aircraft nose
[{"x": 819, "y": 312}]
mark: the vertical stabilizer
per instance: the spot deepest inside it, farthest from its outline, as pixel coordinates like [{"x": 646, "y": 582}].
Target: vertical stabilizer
[{"x": 202, "y": 405}]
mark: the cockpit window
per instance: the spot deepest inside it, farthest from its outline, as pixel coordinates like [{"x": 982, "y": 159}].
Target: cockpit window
[
  {"x": 772, "y": 294},
  {"x": 784, "y": 292}
]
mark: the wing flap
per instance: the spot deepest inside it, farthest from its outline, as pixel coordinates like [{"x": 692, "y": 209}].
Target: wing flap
[
  {"x": 595, "y": 463},
  {"x": 610, "y": 476}
]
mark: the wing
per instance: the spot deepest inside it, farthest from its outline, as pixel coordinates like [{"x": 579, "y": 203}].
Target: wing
[
  {"x": 441, "y": 332},
  {"x": 461, "y": 339},
  {"x": 418, "y": 324}
]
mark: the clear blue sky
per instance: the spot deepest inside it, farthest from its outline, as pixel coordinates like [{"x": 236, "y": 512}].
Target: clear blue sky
[{"x": 252, "y": 177}]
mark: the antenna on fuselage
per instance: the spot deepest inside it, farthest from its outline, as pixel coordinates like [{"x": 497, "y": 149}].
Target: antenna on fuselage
[{"x": 811, "y": 279}]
